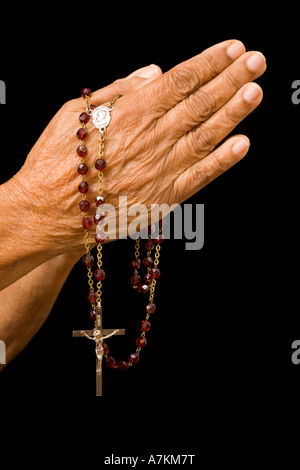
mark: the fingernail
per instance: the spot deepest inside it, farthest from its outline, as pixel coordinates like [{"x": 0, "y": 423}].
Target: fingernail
[
  {"x": 252, "y": 93},
  {"x": 240, "y": 147},
  {"x": 235, "y": 50},
  {"x": 145, "y": 72},
  {"x": 256, "y": 62}
]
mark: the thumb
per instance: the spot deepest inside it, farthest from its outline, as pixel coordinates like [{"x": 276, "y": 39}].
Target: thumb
[
  {"x": 150, "y": 71},
  {"x": 132, "y": 82}
]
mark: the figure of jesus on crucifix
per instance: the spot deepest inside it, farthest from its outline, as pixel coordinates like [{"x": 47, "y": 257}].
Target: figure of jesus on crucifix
[{"x": 98, "y": 335}]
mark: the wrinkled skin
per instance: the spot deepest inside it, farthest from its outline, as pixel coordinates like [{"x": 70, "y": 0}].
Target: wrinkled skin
[{"x": 160, "y": 144}]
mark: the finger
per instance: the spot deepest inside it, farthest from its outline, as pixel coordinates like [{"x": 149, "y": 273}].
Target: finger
[
  {"x": 199, "y": 106},
  {"x": 201, "y": 140},
  {"x": 185, "y": 78},
  {"x": 206, "y": 170},
  {"x": 150, "y": 71},
  {"x": 123, "y": 86}
]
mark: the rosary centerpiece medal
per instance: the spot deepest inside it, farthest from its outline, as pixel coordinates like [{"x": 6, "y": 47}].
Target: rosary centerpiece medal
[{"x": 100, "y": 116}]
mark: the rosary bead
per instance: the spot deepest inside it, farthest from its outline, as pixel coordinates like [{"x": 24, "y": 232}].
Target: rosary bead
[
  {"x": 147, "y": 261},
  {"x": 98, "y": 218},
  {"x": 148, "y": 278},
  {"x": 134, "y": 358},
  {"x": 84, "y": 205},
  {"x": 141, "y": 342},
  {"x": 105, "y": 349},
  {"x": 100, "y": 237},
  {"x": 81, "y": 150},
  {"x": 155, "y": 272},
  {"x": 100, "y": 164},
  {"x": 81, "y": 133},
  {"x": 88, "y": 260},
  {"x": 99, "y": 274},
  {"x": 143, "y": 288},
  {"x": 149, "y": 244},
  {"x": 159, "y": 239},
  {"x": 93, "y": 314},
  {"x": 110, "y": 362},
  {"x": 135, "y": 263},
  {"x": 85, "y": 92},
  {"x": 83, "y": 187},
  {"x": 87, "y": 223},
  {"x": 146, "y": 325},
  {"x": 122, "y": 366},
  {"x": 99, "y": 201},
  {"x": 82, "y": 169},
  {"x": 92, "y": 297},
  {"x": 93, "y": 106},
  {"x": 135, "y": 279},
  {"x": 84, "y": 118},
  {"x": 150, "y": 307}
]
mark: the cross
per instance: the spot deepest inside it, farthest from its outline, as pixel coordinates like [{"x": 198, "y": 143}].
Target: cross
[{"x": 98, "y": 335}]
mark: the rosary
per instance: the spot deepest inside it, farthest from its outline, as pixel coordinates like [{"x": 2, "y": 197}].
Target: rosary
[{"x": 100, "y": 116}]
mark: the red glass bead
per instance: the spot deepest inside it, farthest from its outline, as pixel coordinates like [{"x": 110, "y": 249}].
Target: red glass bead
[
  {"x": 143, "y": 288},
  {"x": 147, "y": 261},
  {"x": 110, "y": 362},
  {"x": 98, "y": 218},
  {"x": 100, "y": 164},
  {"x": 150, "y": 307},
  {"x": 135, "y": 263},
  {"x": 135, "y": 279},
  {"x": 99, "y": 274},
  {"x": 141, "y": 342},
  {"x": 88, "y": 260},
  {"x": 87, "y": 223},
  {"x": 84, "y": 118},
  {"x": 105, "y": 349},
  {"x": 155, "y": 272},
  {"x": 92, "y": 297},
  {"x": 81, "y": 133},
  {"x": 100, "y": 237},
  {"x": 148, "y": 278},
  {"x": 84, "y": 205},
  {"x": 83, "y": 187},
  {"x": 122, "y": 366},
  {"x": 146, "y": 325},
  {"x": 81, "y": 150},
  {"x": 93, "y": 314},
  {"x": 134, "y": 358},
  {"x": 85, "y": 92},
  {"x": 93, "y": 106},
  {"x": 159, "y": 239},
  {"x": 152, "y": 229},
  {"x": 149, "y": 244},
  {"x": 99, "y": 201},
  {"x": 82, "y": 169}
]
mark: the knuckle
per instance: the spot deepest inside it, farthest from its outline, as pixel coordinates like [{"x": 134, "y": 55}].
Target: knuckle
[
  {"x": 71, "y": 105},
  {"x": 202, "y": 106},
  {"x": 232, "y": 80},
  {"x": 204, "y": 174},
  {"x": 206, "y": 139},
  {"x": 208, "y": 62},
  {"x": 198, "y": 176},
  {"x": 233, "y": 115},
  {"x": 183, "y": 80},
  {"x": 217, "y": 163},
  {"x": 199, "y": 142}
]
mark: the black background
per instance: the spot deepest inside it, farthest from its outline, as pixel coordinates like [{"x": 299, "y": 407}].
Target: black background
[{"x": 216, "y": 376}]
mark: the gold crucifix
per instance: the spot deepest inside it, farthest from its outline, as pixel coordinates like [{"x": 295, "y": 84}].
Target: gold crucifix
[{"x": 98, "y": 335}]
